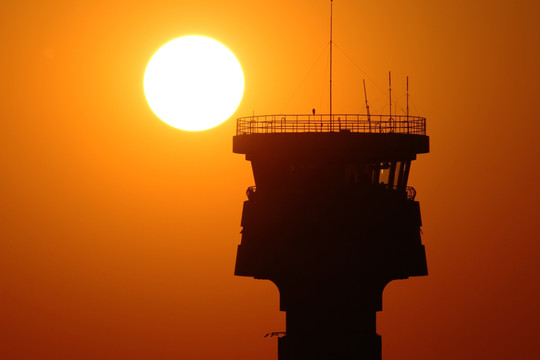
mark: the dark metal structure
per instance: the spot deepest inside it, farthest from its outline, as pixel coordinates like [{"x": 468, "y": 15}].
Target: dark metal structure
[{"x": 331, "y": 221}]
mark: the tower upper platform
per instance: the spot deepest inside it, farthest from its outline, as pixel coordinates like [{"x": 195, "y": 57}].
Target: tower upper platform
[{"x": 381, "y": 137}]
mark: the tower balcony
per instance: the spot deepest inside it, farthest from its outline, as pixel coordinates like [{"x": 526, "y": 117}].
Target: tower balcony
[{"x": 348, "y": 137}]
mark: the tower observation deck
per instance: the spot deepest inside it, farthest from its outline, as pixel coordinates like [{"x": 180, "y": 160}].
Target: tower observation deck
[{"x": 331, "y": 221}]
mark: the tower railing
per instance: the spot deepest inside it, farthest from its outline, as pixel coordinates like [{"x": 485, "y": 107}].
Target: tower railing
[{"x": 357, "y": 123}]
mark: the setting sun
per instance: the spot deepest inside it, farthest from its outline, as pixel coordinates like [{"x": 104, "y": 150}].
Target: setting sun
[{"x": 193, "y": 83}]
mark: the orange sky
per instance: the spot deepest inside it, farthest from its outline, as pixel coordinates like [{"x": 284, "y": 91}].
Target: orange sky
[{"x": 119, "y": 232}]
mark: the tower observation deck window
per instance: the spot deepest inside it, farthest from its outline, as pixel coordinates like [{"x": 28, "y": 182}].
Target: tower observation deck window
[
  {"x": 360, "y": 174},
  {"x": 394, "y": 174},
  {"x": 384, "y": 173},
  {"x": 303, "y": 177}
]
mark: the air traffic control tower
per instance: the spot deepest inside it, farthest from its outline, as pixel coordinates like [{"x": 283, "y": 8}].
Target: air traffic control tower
[{"x": 331, "y": 221}]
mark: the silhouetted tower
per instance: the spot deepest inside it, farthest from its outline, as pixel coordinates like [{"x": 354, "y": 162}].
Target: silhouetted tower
[{"x": 331, "y": 221}]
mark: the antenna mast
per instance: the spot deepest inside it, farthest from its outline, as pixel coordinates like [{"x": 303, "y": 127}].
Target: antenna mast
[
  {"x": 390, "y": 92},
  {"x": 407, "y": 104},
  {"x": 407, "y": 98},
  {"x": 367, "y": 106},
  {"x": 390, "y": 97},
  {"x": 331, "y": 15}
]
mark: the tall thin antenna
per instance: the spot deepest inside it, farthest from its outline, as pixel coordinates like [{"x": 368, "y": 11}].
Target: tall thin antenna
[
  {"x": 407, "y": 98},
  {"x": 390, "y": 97},
  {"x": 367, "y": 106},
  {"x": 331, "y": 16},
  {"x": 407, "y": 104},
  {"x": 390, "y": 92}
]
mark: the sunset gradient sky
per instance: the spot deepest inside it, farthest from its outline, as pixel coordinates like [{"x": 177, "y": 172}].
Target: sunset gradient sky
[{"x": 119, "y": 232}]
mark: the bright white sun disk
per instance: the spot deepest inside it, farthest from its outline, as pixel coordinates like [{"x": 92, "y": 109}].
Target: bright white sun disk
[{"x": 193, "y": 83}]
